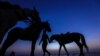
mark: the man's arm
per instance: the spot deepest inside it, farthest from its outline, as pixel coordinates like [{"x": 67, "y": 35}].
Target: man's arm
[{"x": 48, "y": 38}]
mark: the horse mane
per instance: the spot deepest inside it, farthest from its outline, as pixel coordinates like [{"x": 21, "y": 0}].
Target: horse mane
[
  {"x": 7, "y": 5},
  {"x": 55, "y": 36}
]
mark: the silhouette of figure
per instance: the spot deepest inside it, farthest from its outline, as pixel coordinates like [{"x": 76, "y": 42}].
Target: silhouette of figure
[
  {"x": 10, "y": 14},
  {"x": 63, "y": 39},
  {"x": 12, "y": 54},
  {"x": 45, "y": 40},
  {"x": 31, "y": 33}
]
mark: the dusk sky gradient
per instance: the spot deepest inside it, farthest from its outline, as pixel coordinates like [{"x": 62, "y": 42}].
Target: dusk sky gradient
[{"x": 64, "y": 16}]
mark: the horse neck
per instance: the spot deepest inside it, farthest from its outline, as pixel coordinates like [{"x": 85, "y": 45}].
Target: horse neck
[
  {"x": 34, "y": 27},
  {"x": 39, "y": 30},
  {"x": 42, "y": 26},
  {"x": 57, "y": 37},
  {"x": 27, "y": 12},
  {"x": 54, "y": 37}
]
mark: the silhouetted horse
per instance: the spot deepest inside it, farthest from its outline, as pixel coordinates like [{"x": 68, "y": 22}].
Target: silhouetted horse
[
  {"x": 68, "y": 38},
  {"x": 31, "y": 33},
  {"x": 44, "y": 41},
  {"x": 10, "y": 14}
]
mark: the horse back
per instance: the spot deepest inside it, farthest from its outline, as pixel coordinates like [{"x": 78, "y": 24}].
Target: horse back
[{"x": 75, "y": 36}]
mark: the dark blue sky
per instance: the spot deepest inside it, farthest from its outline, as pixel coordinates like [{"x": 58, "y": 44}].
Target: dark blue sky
[{"x": 66, "y": 15}]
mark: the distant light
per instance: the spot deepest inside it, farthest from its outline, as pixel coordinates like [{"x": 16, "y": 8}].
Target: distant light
[{"x": 53, "y": 46}]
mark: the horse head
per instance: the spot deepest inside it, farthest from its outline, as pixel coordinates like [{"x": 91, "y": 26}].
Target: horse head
[
  {"x": 35, "y": 15},
  {"x": 53, "y": 37},
  {"x": 46, "y": 26}
]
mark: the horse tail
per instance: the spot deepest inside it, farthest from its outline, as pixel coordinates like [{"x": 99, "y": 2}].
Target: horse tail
[{"x": 84, "y": 43}]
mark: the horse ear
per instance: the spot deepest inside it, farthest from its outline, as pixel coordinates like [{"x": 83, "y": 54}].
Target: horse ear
[
  {"x": 34, "y": 7},
  {"x": 35, "y": 10},
  {"x": 46, "y": 21}
]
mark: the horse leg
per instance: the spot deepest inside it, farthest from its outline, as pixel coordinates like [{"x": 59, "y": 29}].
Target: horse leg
[
  {"x": 66, "y": 50},
  {"x": 81, "y": 48},
  {"x": 33, "y": 47},
  {"x": 8, "y": 42},
  {"x": 59, "y": 50}
]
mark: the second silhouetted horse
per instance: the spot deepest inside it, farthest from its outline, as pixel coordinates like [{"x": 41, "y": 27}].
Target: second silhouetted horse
[{"x": 68, "y": 38}]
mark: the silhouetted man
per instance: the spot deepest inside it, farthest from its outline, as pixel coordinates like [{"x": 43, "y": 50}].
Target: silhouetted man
[{"x": 45, "y": 40}]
